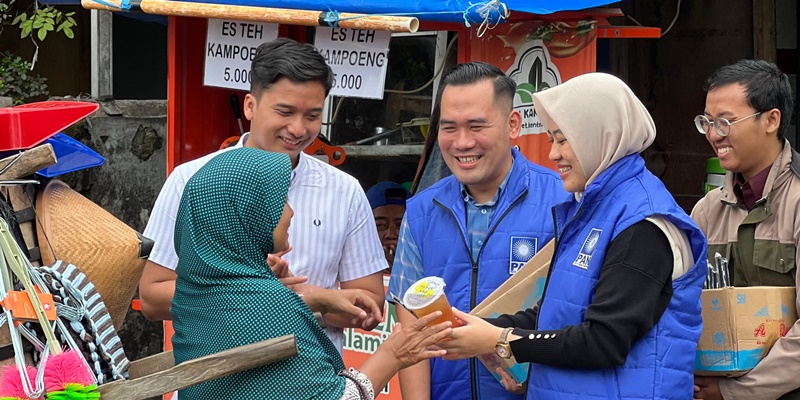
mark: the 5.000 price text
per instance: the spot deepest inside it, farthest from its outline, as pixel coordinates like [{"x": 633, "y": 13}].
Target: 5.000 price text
[
  {"x": 346, "y": 81},
  {"x": 237, "y": 75}
]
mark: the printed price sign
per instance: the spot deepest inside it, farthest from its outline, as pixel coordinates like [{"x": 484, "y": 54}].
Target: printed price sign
[
  {"x": 358, "y": 59},
  {"x": 230, "y": 47}
]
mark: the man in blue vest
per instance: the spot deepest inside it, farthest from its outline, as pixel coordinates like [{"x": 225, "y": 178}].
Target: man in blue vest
[{"x": 476, "y": 227}]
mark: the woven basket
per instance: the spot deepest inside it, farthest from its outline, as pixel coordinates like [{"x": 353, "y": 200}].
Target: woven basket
[{"x": 74, "y": 229}]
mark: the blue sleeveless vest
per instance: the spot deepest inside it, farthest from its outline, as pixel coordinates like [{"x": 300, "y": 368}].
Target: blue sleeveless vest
[
  {"x": 437, "y": 219},
  {"x": 661, "y": 364}
]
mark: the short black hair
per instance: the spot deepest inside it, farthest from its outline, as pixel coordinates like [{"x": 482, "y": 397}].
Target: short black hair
[
  {"x": 766, "y": 87},
  {"x": 476, "y": 71},
  {"x": 286, "y": 58}
]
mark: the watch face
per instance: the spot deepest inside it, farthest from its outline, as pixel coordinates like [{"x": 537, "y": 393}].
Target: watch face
[{"x": 502, "y": 351}]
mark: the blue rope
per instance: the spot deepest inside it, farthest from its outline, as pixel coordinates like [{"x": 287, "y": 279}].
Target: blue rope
[
  {"x": 125, "y": 5},
  {"x": 332, "y": 18},
  {"x": 484, "y": 10}
]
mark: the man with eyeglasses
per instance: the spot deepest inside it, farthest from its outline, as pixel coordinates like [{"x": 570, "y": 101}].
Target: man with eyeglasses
[{"x": 752, "y": 219}]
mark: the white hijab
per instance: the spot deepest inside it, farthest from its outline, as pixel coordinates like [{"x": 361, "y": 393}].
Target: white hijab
[{"x": 601, "y": 118}]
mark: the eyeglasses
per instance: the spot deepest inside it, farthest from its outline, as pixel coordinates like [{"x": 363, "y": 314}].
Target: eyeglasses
[{"x": 722, "y": 125}]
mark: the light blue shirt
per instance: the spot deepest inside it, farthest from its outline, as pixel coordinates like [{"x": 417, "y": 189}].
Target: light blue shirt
[{"x": 408, "y": 267}]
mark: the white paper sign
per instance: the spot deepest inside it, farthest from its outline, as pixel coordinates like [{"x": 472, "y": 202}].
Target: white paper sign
[
  {"x": 230, "y": 47},
  {"x": 358, "y": 59}
]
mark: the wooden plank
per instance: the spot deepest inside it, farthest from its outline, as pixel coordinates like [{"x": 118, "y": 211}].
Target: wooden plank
[
  {"x": 262, "y": 14},
  {"x": 21, "y": 198},
  {"x": 765, "y": 39},
  {"x": 150, "y": 365},
  {"x": 320, "y": 320},
  {"x": 203, "y": 369},
  {"x": 29, "y": 162}
]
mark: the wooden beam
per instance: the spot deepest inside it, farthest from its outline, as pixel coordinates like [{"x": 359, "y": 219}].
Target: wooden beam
[
  {"x": 260, "y": 14},
  {"x": 28, "y": 162},
  {"x": 202, "y": 369},
  {"x": 765, "y": 40},
  {"x": 151, "y": 365}
]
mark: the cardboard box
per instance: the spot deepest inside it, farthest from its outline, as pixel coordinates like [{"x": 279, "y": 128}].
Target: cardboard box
[
  {"x": 522, "y": 291},
  {"x": 740, "y": 325}
]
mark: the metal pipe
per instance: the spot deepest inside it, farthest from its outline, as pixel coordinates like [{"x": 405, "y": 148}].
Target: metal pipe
[{"x": 380, "y": 136}]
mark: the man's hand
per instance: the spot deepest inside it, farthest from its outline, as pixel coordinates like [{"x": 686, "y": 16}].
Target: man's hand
[
  {"x": 280, "y": 268},
  {"x": 509, "y": 383},
  {"x": 358, "y": 305},
  {"x": 707, "y": 388},
  {"x": 372, "y": 285},
  {"x": 354, "y": 304}
]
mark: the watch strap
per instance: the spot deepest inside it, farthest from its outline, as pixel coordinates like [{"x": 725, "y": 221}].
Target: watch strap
[{"x": 504, "y": 336}]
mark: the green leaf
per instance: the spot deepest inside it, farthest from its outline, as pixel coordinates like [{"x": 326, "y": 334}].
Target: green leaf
[
  {"x": 20, "y": 18},
  {"x": 68, "y": 32},
  {"x": 38, "y": 24},
  {"x": 49, "y": 27},
  {"x": 25, "y": 32},
  {"x": 42, "y": 33},
  {"x": 72, "y": 21},
  {"x": 70, "y": 14},
  {"x": 524, "y": 96}
]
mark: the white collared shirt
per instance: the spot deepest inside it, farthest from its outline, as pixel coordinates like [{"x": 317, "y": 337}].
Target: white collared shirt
[{"x": 333, "y": 232}]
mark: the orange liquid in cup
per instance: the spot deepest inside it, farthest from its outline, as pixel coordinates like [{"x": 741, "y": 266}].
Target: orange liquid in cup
[{"x": 426, "y": 296}]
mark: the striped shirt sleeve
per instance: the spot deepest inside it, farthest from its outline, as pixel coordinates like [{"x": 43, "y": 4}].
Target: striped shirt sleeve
[{"x": 362, "y": 252}]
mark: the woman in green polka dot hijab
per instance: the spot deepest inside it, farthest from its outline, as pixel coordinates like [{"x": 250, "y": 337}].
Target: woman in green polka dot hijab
[{"x": 232, "y": 214}]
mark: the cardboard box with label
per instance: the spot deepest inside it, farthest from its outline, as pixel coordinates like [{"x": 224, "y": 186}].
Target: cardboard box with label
[
  {"x": 740, "y": 325},
  {"x": 522, "y": 291}
]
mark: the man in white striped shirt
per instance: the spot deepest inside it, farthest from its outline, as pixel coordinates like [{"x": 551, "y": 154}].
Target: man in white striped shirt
[{"x": 333, "y": 234}]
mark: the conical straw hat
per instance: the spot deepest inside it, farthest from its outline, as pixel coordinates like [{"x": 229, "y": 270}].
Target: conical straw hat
[{"x": 74, "y": 229}]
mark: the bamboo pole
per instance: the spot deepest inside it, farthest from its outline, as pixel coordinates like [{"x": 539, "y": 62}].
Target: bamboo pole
[{"x": 259, "y": 14}]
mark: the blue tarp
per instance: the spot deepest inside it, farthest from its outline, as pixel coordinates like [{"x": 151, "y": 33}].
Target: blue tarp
[{"x": 426, "y": 10}]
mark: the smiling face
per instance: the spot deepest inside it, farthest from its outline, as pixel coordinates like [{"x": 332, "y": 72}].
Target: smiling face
[
  {"x": 388, "y": 219},
  {"x": 752, "y": 144},
  {"x": 286, "y": 118},
  {"x": 475, "y": 137},
  {"x": 569, "y": 168}
]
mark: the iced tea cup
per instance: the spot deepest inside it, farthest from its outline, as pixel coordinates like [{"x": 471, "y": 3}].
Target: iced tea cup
[{"x": 426, "y": 296}]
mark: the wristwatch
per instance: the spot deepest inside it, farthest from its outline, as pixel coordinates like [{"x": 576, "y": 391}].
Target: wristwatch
[{"x": 502, "y": 348}]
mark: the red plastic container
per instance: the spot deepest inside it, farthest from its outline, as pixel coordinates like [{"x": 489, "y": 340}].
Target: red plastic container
[{"x": 25, "y": 126}]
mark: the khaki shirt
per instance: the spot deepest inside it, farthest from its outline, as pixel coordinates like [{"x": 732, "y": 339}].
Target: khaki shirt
[{"x": 762, "y": 250}]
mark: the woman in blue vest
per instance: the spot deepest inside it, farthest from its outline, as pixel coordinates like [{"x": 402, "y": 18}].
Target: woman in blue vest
[{"x": 620, "y": 315}]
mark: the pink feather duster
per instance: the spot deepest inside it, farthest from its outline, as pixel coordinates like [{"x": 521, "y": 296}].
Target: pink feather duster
[
  {"x": 11, "y": 383},
  {"x": 67, "y": 367}
]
